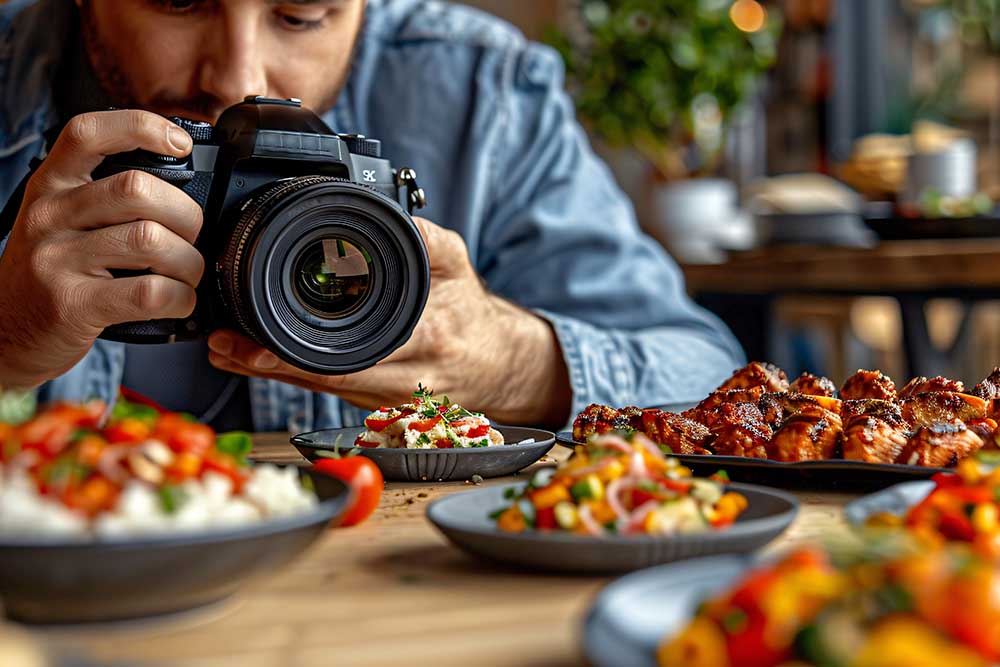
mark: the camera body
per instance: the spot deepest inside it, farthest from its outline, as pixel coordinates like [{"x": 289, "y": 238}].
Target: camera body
[{"x": 308, "y": 243}]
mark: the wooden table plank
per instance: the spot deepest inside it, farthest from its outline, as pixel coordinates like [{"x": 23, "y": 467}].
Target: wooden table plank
[
  {"x": 891, "y": 266},
  {"x": 390, "y": 591}
]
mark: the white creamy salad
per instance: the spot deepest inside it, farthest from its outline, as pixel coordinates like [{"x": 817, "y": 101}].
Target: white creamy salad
[{"x": 428, "y": 423}]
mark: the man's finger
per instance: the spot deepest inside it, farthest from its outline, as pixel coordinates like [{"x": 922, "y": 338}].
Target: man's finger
[
  {"x": 89, "y": 138},
  {"x": 127, "y": 196},
  {"x": 445, "y": 249},
  {"x": 136, "y": 299},
  {"x": 141, "y": 245}
]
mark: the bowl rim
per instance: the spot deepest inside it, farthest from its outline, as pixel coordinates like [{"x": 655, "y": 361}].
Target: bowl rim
[{"x": 299, "y": 440}]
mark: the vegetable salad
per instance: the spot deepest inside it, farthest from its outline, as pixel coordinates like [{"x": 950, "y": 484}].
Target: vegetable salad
[
  {"x": 963, "y": 507},
  {"x": 75, "y": 469},
  {"x": 905, "y": 608},
  {"x": 614, "y": 485}
]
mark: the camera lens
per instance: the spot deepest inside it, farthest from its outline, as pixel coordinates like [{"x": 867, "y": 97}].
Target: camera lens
[
  {"x": 332, "y": 277},
  {"x": 329, "y": 274}
]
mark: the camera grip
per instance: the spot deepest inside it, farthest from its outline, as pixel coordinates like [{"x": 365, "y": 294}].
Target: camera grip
[
  {"x": 195, "y": 184},
  {"x": 153, "y": 331}
]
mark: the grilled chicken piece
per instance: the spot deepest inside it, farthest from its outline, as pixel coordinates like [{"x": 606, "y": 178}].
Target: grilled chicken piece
[
  {"x": 874, "y": 439},
  {"x": 597, "y": 419},
  {"x": 738, "y": 429},
  {"x": 872, "y": 407},
  {"x": 941, "y": 406},
  {"x": 813, "y": 385},
  {"x": 811, "y": 434},
  {"x": 922, "y": 385},
  {"x": 757, "y": 374},
  {"x": 940, "y": 446},
  {"x": 985, "y": 429},
  {"x": 683, "y": 436},
  {"x": 868, "y": 384},
  {"x": 776, "y": 407},
  {"x": 704, "y": 412},
  {"x": 989, "y": 388}
]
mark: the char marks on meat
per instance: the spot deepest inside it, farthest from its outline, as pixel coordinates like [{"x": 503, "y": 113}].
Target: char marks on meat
[
  {"x": 873, "y": 440},
  {"x": 941, "y": 407},
  {"x": 757, "y": 374},
  {"x": 814, "y": 385},
  {"x": 811, "y": 434},
  {"x": 940, "y": 446},
  {"x": 922, "y": 385},
  {"x": 868, "y": 384}
]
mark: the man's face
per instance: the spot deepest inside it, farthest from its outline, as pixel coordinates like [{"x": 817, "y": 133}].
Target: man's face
[{"x": 193, "y": 58}]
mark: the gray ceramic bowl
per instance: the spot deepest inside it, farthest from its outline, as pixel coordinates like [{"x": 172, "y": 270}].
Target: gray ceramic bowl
[
  {"x": 632, "y": 615},
  {"x": 112, "y": 580},
  {"x": 463, "y": 518},
  {"x": 895, "y": 500},
  {"x": 437, "y": 465}
]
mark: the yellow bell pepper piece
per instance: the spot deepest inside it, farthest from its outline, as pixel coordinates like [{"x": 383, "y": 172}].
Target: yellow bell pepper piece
[
  {"x": 985, "y": 518},
  {"x": 512, "y": 520},
  {"x": 549, "y": 496},
  {"x": 905, "y": 641},
  {"x": 700, "y": 644}
]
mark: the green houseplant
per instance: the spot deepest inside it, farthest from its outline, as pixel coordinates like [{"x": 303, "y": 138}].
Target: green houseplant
[{"x": 664, "y": 77}]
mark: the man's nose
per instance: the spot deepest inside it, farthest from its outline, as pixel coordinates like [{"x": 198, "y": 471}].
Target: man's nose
[{"x": 235, "y": 67}]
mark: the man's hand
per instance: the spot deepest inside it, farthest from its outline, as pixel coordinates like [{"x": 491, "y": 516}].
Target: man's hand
[
  {"x": 481, "y": 350},
  {"x": 56, "y": 291}
]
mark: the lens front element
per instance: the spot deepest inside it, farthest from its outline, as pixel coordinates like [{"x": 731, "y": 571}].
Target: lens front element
[{"x": 332, "y": 277}]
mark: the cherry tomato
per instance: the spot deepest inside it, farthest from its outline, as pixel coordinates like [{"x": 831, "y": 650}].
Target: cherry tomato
[
  {"x": 365, "y": 480},
  {"x": 444, "y": 443}
]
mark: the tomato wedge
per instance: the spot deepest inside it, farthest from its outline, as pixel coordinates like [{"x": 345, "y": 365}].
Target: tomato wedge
[
  {"x": 377, "y": 425},
  {"x": 424, "y": 425}
]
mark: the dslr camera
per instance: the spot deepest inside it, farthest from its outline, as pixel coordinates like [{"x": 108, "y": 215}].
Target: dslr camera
[{"x": 309, "y": 246}]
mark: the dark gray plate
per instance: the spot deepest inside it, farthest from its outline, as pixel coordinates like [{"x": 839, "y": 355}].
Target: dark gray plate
[
  {"x": 838, "y": 474},
  {"x": 437, "y": 465},
  {"x": 632, "y": 615},
  {"x": 110, "y": 580},
  {"x": 895, "y": 500},
  {"x": 463, "y": 518}
]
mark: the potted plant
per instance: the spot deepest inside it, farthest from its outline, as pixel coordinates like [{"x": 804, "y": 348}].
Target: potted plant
[{"x": 664, "y": 78}]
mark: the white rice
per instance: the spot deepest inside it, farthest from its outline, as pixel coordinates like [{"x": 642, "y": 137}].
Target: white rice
[{"x": 202, "y": 505}]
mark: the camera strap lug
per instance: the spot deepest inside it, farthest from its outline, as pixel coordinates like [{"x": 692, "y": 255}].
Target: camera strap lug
[{"x": 407, "y": 178}]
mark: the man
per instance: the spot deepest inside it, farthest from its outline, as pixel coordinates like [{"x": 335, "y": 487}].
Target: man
[{"x": 523, "y": 213}]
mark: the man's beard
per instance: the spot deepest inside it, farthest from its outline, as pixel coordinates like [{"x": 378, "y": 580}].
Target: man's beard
[
  {"x": 117, "y": 87},
  {"x": 119, "y": 90}
]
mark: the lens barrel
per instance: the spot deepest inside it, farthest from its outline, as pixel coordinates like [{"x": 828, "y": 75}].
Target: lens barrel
[{"x": 329, "y": 274}]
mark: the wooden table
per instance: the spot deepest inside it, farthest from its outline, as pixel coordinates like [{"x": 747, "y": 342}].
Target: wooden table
[
  {"x": 391, "y": 591},
  {"x": 743, "y": 289}
]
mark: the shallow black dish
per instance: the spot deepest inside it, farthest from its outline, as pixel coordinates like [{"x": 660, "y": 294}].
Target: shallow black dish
[
  {"x": 436, "y": 465},
  {"x": 891, "y": 227},
  {"x": 837, "y": 474},
  {"x": 58, "y": 582}
]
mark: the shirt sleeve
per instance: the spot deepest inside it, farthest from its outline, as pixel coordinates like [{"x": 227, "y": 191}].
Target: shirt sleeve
[{"x": 562, "y": 239}]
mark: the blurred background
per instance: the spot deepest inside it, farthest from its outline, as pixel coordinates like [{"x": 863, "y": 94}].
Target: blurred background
[{"x": 825, "y": 171}]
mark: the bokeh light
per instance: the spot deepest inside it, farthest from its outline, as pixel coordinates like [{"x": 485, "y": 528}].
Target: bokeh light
[{"x": 748, "y": 15}]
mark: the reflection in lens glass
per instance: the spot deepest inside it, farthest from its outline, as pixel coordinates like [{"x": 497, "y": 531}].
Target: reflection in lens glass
[{"x": 332, "y": 277}]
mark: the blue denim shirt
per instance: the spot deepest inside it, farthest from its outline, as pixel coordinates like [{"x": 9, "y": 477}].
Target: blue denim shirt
[{"x": 481, "y": 114}]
